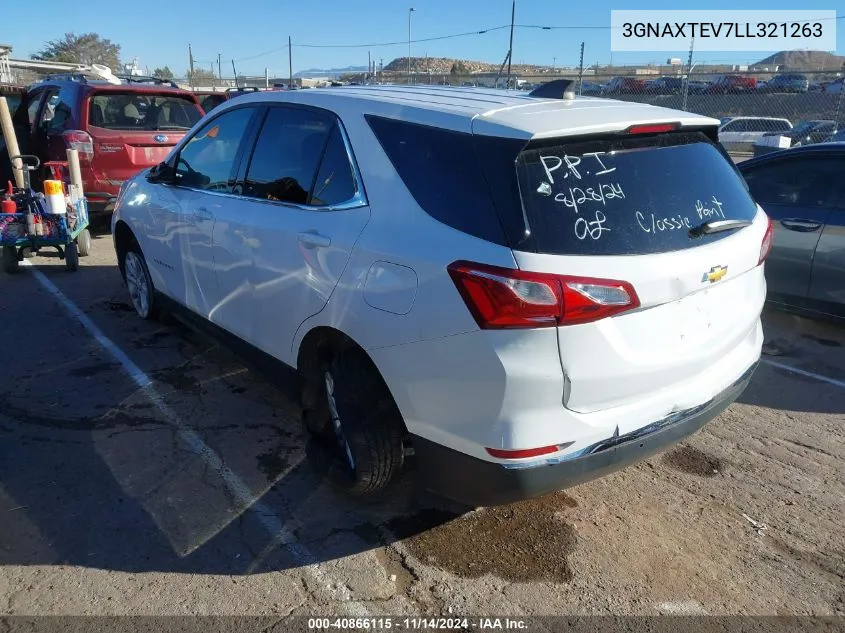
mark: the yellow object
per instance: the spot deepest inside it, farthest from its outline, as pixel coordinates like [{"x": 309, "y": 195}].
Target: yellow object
[{"x": 53, "y": 187}]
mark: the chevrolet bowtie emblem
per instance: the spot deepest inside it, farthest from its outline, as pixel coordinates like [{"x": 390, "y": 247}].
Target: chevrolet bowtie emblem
[{"x": 715, "y": 274}]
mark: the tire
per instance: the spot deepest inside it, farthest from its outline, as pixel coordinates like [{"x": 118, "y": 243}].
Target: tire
[
  {"x": 83, "y": 243},
  {"x": 355, "y": 427},
  {"x": 10, "y": 260},
  {"x": 136, "y": 275},
  {"x": 72, "y": 257}
]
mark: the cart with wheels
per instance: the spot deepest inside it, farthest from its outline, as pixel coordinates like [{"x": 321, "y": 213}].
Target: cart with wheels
[{"x": 28, "y": 225}]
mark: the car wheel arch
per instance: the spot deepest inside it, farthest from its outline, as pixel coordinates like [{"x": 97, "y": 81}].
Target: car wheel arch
[
  {"x": 322, "y": 343},
  {"x": 124, "y": 237}
]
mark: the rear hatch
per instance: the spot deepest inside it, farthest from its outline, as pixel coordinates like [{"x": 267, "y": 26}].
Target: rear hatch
[
  {"x": 132, "y": 130},
  {"x": 656, "y": 244}
]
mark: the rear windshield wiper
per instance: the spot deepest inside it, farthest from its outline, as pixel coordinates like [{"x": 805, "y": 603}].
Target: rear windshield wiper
[{"x": 717, "y": 226}]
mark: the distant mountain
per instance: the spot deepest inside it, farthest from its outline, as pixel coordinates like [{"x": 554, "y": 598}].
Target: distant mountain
[
  {"x": 330, "y": 72},
  {"x": 803, "y": 60}
]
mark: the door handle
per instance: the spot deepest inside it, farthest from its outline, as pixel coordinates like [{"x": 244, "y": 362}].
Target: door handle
[
  {"x": 800, "y": 225},
  {"x": 203, "y": 214},
  {"x": 312, "y": 239}
]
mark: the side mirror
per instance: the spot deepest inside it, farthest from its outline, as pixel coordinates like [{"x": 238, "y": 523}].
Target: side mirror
[{"x": 162, "y": 173}]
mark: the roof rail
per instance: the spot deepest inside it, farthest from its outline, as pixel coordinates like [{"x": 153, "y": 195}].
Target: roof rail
[{"x": 145, "y": 79}]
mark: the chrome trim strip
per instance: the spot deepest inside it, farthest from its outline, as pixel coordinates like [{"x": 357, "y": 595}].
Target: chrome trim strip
[{"x": 649, "y": 429}]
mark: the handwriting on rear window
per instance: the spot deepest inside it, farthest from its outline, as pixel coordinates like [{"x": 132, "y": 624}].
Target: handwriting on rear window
[{"x": 590, "y": 164}]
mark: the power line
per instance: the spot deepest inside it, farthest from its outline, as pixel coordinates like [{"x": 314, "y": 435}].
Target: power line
[{"x": 540, "y": 27}]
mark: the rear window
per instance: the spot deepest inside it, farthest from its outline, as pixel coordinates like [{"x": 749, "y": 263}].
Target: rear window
[
  {"x": 628, "y": 196},
  {"x": 142, "y": 111}
]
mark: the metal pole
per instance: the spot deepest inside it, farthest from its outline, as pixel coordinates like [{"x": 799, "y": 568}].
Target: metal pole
[
  {"x": 689, "y": 72},
  {"x": 510, "y": 45},
  {"x": 581, "y": 70},
  {"x": 369, "y": 67},
  {"x": 237, "y": 83},
  {"x": 190, "y": 67},
  {"x": 219, "y": 72},
  {"x": 290, "y": 64},
  {"x": 554, "y": 63},
  {"x": 410, "y": 11}
]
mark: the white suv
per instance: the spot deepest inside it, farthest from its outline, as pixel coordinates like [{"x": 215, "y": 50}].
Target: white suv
[{"x": 524, "y": 292}]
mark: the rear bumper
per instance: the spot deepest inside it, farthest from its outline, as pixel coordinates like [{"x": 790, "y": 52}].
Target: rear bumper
[
  {"x": 100, "y": 203},
  {"x": 477, "y": 482}
]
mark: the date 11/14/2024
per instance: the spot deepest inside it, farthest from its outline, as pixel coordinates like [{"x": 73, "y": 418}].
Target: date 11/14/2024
[{"x": 418, "y": 623}]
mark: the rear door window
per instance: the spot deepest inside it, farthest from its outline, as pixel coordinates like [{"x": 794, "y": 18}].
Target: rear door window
[
  {"x": 628, "y": 195},
  {"x": 287, "y": 155}
]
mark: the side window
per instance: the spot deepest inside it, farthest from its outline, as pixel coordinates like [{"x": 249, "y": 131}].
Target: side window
[
  {"x": 32, "y": 109},
  {"x": 335, "y": 182},
  {"x": 807, "y": 182},
  {"x": 287, "y": 154},
  {"x": 57, "y": 113},
  {"x": 207, "y": 161},
  {"x": 732, "y": 126}
]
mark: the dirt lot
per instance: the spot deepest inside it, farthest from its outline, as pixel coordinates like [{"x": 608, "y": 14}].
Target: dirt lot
[{"x": 143, "y": 470}]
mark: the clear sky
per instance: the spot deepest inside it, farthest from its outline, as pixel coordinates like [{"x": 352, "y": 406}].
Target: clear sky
[{"x": 158, "y": 32}]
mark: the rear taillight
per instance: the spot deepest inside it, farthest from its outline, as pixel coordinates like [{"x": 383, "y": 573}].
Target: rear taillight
[
  {"x": 501, "y": 298},
  {"x": 768, "y": 240},
  {"x": 81, "y": 142}
]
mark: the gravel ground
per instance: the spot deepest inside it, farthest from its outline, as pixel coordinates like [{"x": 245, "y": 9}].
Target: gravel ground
[{"x": 181, "y": 486}]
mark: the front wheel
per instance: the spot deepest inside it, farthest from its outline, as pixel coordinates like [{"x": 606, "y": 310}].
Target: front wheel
[
  {"x": 355, "y": 426},
  {"x": 10, "y": 260},
  {"x": 71, "y": 257},
  {"x": 138, "y": 282}
]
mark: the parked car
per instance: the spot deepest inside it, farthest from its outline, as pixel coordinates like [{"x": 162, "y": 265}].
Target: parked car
[
  {"x": 699, "y": 86},
  {"x": 788, "y": 82},
  {"x": 14, "y": 95},
  {"x": 519, "y": 334},
  {"x": 665, "y": 86},
  {"x": 118, "y": 130},
  {"x": 839, "y": 137},
  {"x": 624, "y": 85},
  {"x": 803, "y": 191},
  {"x": 806, "y": 132},
  {"x": 835, "y": 86},
  {"x": 732, "y": 84},
  {"x": 591, "y": 88},
  {"x": 742, "y": 132}
]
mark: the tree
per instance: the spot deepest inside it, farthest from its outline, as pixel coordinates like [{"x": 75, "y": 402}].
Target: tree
[
  {"x": 200, "y": 77},
  {"x": 163, "y": 73},
  {"x": 459, "y": 68},
  {"x": 88, "y": 48}
]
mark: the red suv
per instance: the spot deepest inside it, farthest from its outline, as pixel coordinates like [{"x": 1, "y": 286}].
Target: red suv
[
  {"x": 733, "y": 84},
  {"x": 119, "y": 130}
]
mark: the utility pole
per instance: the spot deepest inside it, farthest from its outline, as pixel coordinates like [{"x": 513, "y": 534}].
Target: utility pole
[
  {"x": 510, "y": 45},
  {"x": 581, "y": 70},
  {"x": 219, "y": 72},
  {"x": 689, "y": 72},
  {"x": 554, "y": 63},
  {"x": 410, "y": 11},
  {"x": 190, "y": 66},
  {"x": 369, "y": 67},
  {"x": 237, "y": 83},
  {"x": 290, "y": 64}
]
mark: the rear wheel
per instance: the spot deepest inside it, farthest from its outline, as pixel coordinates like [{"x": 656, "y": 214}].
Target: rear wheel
[
  {"x": 83, "y": 242},
  {"x": 10, "y": 260},
  {"x": 355, "y": 426}
]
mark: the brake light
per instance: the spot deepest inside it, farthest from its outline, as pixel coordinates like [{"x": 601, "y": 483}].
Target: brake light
[
  {"x": 654, "y": 128},
  {"x": 768, "y": 240},
  {"x": 500, "y": 298},
  {"x": 81, "y": 142}
]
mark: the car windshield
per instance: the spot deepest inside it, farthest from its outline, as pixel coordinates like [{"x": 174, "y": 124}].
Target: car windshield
[
  {"x": 805, "y": 126},
  {"x": 142, "y": 111}
]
